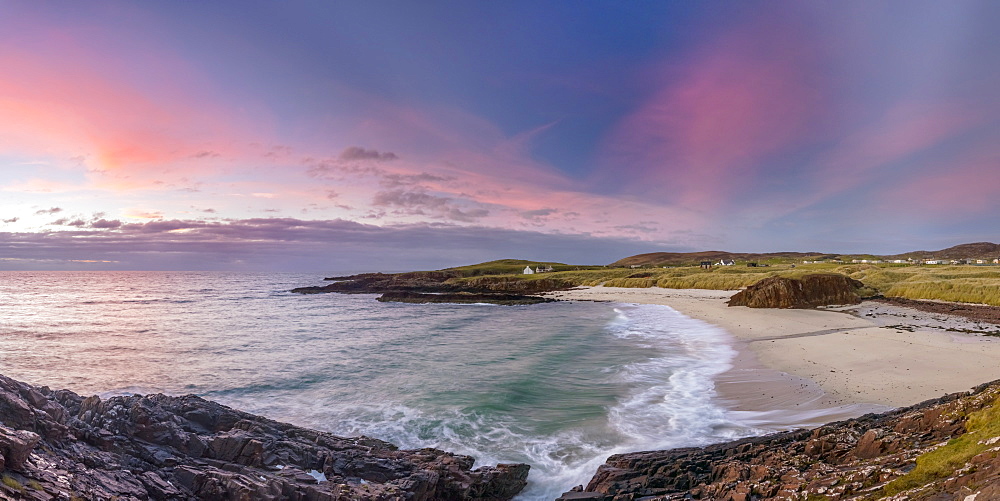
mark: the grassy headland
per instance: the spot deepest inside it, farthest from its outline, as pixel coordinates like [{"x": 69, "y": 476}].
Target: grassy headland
[{"x": 958, "y": 283}]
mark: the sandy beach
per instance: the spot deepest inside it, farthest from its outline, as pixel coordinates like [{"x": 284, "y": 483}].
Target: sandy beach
[{"x": 830, "y": 362}]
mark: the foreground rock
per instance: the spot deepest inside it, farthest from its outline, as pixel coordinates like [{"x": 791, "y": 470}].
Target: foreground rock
[
  {"x": 863, "y": 458},
  {"x": 59, "y": 445},
  {"x": 810, "y": 291},
  {"x": 462, "y": 298}
]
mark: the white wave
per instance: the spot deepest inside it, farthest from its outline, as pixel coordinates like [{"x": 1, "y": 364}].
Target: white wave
[
  {"x": 557, "y": 461},
  {"x": 673, "y": 403}
]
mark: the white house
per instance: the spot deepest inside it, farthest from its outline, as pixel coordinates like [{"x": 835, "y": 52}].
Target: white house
[
  {"x": 528, "y": 270},
  {"x": 934, "y": 261},
  {"x": 725, "y": 262}
]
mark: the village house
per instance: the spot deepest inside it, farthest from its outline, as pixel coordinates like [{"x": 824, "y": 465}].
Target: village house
[
  {"x": 528, "y": 270},
  {"x": 546, "y": 269},
  {"x": 725, "y": 262}
]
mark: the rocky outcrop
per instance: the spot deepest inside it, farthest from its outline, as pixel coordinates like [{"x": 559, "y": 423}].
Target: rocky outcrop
[
  {"x": 821, "y": 289},
  {"x": 435, "y": 282},
  {"x": 462, "y": 298},
  {"x": 377, "y": 283},
  {"x": 59, "y": 445},
  {"x": 848, "y": 460}
]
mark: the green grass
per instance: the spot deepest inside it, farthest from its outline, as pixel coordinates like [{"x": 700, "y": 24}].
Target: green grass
[
  {"x": 12, "y": 482},
  {"x": 960, "y": 283},
  {"x": 939, "y": 463},
  {"x": 510, "y": 267}
]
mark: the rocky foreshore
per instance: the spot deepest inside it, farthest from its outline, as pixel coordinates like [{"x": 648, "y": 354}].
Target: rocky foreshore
[
  {"x": 414, "y": 287},
  {"x": 55, "y": 444},
  {"x": 462, "y": 298},
  {"x": 875, "y": 456}
]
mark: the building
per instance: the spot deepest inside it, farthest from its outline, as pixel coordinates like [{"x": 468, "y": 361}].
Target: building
[
  {"x": 546, "y": 269},
  {"x": 725, "y": 262},
  {"x": 528, "y": 270}
]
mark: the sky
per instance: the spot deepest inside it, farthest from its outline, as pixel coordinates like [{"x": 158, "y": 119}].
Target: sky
[{"x": 391, "y": 135}]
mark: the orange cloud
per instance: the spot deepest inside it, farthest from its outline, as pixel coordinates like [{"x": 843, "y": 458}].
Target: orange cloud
[{"x": 57, "y": 104}]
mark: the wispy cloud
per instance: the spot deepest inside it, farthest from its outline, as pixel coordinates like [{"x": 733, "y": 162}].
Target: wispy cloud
[{"x": 295, "y": 244}]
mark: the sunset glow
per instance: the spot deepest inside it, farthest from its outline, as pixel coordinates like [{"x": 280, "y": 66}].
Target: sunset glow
[{"x": 311, "y": 136}]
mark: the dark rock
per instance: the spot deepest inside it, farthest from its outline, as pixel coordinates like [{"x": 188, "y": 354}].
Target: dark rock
[
  {"x": 846, "y": 460},
  {"x": 807, "y": 292},
  {"x": 161, "y": 447},
  {"x": 15, "y": 447},
  {"x": 462, "y": 298}
]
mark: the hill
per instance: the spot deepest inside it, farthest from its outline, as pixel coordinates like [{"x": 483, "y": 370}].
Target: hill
[
  {"x": 508, "y": 267},
  {"x": 693, "y": 258},
  {"x": 963, "y": 251},
  {"x": 978, "y": 250}
]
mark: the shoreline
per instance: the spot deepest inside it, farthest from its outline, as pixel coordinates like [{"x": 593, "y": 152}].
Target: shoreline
[{"x": 803, "y": 367}]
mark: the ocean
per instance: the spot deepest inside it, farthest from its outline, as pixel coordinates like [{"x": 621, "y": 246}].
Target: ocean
[{"x": 559, "y": 386}]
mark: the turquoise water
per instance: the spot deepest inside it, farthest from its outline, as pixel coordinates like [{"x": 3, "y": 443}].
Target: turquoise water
[{"x": 559, "y": 386}]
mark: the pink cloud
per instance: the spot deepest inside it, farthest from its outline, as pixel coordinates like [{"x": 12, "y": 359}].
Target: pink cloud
[
  {"x": 969, "y": 184},
  {"x": 718, "y": 115},
  {"x": 906, "y": 129}
]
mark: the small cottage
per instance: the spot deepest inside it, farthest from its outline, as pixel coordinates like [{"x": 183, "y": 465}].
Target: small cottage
[{"x": 528, "y": 270}]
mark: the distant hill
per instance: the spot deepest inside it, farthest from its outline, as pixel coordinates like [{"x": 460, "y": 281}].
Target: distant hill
[
  {"x": 980, "y": 250},
  {"x": 963, "y": 251},
  {"x": 693, "y": 258},
  {"x": 509, "y": 266}
]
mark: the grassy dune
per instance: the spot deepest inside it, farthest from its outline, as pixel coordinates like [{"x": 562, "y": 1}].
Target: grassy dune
[{"x": 961, "y": 283}]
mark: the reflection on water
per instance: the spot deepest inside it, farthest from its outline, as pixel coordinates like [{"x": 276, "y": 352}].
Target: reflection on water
[{"x": 559, "y": 386}]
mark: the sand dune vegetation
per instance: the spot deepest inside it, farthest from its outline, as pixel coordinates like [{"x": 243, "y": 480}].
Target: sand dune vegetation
[{"x": 958, "y": 283}]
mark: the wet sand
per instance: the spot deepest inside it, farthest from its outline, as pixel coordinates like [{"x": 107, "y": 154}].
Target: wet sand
[{"x": 826, "y": 364}]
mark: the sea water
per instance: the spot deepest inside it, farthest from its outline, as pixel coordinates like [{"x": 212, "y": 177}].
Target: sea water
[{"x": 559, "y": 386}]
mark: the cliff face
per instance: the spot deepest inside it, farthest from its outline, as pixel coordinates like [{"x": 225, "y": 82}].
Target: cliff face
[
  {"x": 871, "y": 457},
  {"x": 808, "y": 292},
  {"x": 59, "y": 445}
]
